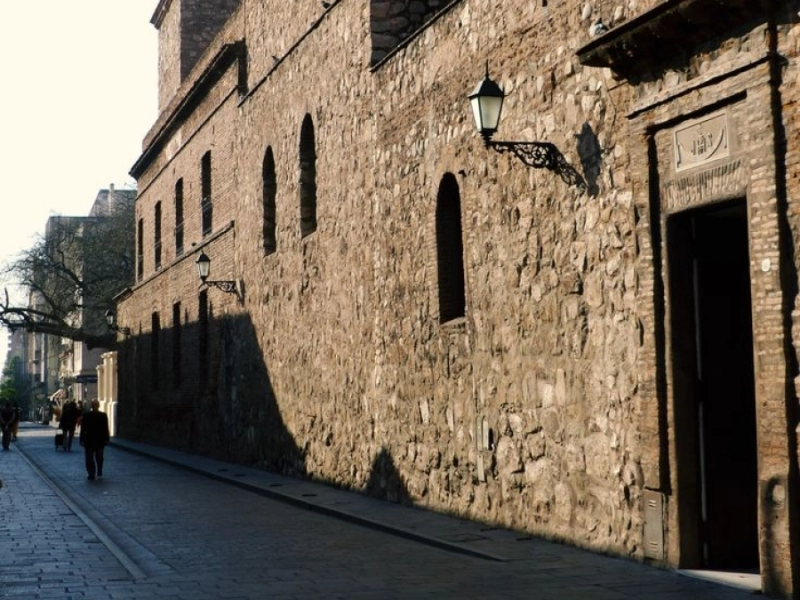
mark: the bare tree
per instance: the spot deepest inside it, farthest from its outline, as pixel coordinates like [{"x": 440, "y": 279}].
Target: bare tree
[{"x": 72, "y": 274}]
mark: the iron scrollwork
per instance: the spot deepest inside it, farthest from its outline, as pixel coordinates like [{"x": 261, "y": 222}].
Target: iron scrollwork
[
  {"x": 229, "y": 287},
  {"x": 541, "y": 155}
]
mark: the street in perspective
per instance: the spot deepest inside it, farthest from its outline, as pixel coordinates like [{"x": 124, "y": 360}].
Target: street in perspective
[
  {"x": 401, "y": 299},
  {"x": 165, "y": 525}
]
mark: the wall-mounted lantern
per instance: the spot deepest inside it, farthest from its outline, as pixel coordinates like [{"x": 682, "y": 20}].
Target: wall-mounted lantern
[
  {"x": 111, "y": 319},
  {"x": 487, "y": 107},
  {"x": 203, "y": 263}
]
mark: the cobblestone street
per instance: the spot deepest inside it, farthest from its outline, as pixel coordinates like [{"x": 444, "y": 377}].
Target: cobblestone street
[{"x": 203, "y": 529}]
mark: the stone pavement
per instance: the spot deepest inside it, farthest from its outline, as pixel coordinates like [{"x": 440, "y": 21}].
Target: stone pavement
[
  {"x": 444, "y": 531},
  {"x": 337, "y": 544}
]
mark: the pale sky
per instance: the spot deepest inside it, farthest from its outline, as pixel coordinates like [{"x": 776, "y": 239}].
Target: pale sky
[{"x": 78, "y": 93}]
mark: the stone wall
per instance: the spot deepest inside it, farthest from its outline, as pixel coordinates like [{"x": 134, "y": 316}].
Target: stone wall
[
  {"x": 495, "y": 416},
  {"x": 540, "y": 409},
  {"x": 544, "y": 368}
]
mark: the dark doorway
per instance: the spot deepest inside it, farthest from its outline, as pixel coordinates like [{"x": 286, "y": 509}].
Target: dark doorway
[{"x": 714, "y": 387}]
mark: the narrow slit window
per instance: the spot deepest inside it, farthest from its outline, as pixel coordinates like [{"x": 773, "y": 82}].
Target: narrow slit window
[
  {"x": 308, "y": 178},
  {"x": 155, "y": 359},
  {"x": 270, "y": 190},
  {"x": 179, "y": 217},
  {"x": 176, "y": 346},
  {"x": 205, "y": 185},
  {"x": 140, "y": 249},
  {"x": 450, "y": 251},
  {"x": 157, "y": 236},
  {"x": 202, "y": 342}
]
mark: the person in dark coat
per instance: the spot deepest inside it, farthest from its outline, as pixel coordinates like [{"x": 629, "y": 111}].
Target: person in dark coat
[
  {"x": 7, "y": 416},
  {"x": 68, "y": 422},
  {"x": 17, "y": 419},
  {"x": 94, "y": 438}
]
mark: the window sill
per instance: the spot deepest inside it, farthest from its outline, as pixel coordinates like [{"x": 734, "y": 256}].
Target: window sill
[{"x": 459, "y": 324}]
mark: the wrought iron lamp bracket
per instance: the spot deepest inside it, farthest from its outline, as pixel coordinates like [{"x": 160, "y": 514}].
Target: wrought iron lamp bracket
[
  {"x": 229, "y": 287},
  {"x": 226, "y": 286},
  {"x": 111, "y": 319},
  {"x": 539, "y": 155}
]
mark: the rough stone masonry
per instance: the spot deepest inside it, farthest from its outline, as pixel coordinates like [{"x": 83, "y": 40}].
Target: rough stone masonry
[{"x": 354, "y": 206}]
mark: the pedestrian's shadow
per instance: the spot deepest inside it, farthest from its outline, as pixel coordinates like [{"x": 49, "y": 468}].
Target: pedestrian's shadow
[{"x": 385, "y": 481}]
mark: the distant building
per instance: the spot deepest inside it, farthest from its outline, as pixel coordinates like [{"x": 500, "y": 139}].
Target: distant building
[{"x": 62, "y": 367}]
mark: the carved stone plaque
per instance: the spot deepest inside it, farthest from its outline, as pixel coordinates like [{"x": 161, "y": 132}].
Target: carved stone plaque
[{"x": 701, "y": 141}]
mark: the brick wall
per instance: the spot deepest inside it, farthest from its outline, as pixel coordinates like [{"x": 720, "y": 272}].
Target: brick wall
[{"x": 186, "y": 28}]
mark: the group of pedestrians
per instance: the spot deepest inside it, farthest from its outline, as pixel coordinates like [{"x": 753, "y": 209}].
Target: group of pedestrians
[
  {"x": 10, "y": 417},
  {"x": 94, "y": 431}
]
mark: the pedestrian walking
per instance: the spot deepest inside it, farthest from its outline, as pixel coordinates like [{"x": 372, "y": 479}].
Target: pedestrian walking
[
  {"x": 17, "y": 419},
  {"x": 68, "y": 422},
  {"x": 80, "y": 411},
  {"x": 94, "y": 438},
  {"x": 7, "y": 416}
]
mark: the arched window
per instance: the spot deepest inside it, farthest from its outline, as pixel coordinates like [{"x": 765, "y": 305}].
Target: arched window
[
  {"x": 270, "y": 190},
  {"x": 450, "y": 250},
  {"x": 308, "y": 178}
]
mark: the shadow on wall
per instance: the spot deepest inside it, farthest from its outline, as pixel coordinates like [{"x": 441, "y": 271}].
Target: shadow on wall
[
  {"x": 591, "y": 156},
  {"x": 385, "y": 481},
  {"x": 216, "y": 399},
  {"x": 204, "y": 388}
]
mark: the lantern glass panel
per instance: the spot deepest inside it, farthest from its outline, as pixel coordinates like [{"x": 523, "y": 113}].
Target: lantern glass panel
[
  {"x": 490, "y": 107},
  {"x": 203, "y": 266}
]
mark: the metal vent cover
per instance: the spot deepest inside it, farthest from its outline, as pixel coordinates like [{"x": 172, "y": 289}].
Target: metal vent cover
[{"x": 653, "y": 524}]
